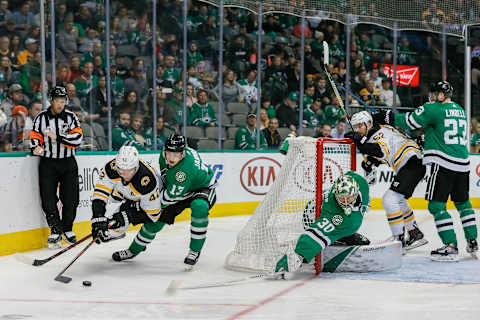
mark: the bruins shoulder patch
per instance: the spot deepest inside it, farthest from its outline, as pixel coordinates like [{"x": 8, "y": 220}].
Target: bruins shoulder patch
[
  {"x": 110, "y": 171},
  {"x": 144, "y": 180}
]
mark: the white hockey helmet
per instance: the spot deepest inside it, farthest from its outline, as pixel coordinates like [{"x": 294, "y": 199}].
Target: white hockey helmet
[
  {"x": 127, "y": 158},
  {"x": 346, "y": 190},
  {"x": 361, "y": 117}
]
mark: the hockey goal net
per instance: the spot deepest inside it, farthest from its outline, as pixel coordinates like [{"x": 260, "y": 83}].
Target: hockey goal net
[{"x": 292, "y": 203}]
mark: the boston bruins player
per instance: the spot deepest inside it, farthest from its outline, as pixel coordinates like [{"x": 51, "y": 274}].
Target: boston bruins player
[
  {"x": 188, "y": 183},
  {"x": 133, "y": 182},
  {"x": 385, "y": 144},
  {"x": 446, "y": 152}
]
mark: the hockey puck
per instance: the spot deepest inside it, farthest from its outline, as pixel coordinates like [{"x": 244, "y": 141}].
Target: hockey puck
[{"x": 87, "y": 283}]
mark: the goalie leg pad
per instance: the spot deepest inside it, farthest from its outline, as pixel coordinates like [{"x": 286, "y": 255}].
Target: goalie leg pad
[
  {"x": 391, "y": 201},
  {"x": 198, "y": 228},
  {"x": 443, "y": 221},
  {"x": 467, "y": 215}
]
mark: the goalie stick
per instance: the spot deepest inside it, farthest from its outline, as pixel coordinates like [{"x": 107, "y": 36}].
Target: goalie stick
[
  {"x": 175, "y": 284},
  {"x": 326, "y": 59}
]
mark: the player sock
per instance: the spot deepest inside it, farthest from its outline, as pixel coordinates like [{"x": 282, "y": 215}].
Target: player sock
[
  {"x": 145, "y": 236},
  {"x": 199, "y": 224},
  {"x": 467, "y": 215},
  {"x": 443, "y": 221}
]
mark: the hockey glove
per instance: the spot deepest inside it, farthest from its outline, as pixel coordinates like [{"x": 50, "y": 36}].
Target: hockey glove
[
  {"x": 420, "y": 140},
  {"x": 135, "y": 214},
  {"x": 100, "y": 229},
  {"x": 287, "y": 264},
  {"x": 370, "y": 170},
  {"x": 384, "y": 117},
  {"x": 119, "y": 221},
  {"x": 356, "y": 137}
]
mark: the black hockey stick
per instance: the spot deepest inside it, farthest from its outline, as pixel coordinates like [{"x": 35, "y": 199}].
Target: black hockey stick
[
  {"x": 326, "y": 59},
  {"x": 39, "y": 262},
  {"x": 60, "y": 277}
]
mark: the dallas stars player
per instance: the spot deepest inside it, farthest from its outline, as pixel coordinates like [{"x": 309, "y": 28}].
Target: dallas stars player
[
  {"x": 385, "y": 144},
  {"x": 341, "y": 216},
  {"x": 131, "y": 181},
  {"x": 446, "y": 152},
  {"x": 188, "y": 183}
]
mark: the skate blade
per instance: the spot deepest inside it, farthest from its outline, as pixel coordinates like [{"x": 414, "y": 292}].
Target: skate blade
[
  {"x": 445, "y": 258},
  {"x": 416, "y": 244}
]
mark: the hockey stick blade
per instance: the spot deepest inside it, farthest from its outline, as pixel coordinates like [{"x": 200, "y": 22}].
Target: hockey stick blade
[
  {"x": 63, "y": 279},
  {"x": 24, "y": 259}
]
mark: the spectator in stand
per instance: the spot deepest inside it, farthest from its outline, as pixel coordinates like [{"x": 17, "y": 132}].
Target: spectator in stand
[
  {"x": 117, "y": 86},
  {"x": 374, "y": 76},
  {"x": 31, "y": 47},
  {"x": 23, "y": 17},
  {"x": 31, "y": 75},
  {"x": 267, "y": 105},
  {"x": 272, "y": 136},
  {"x": 122, "y": 134},
  {"x": 309, "y": 95},
  {"x": 230, "y": 92},
  {"x": 263, "y": 119},
  {"x": 69, "y": 38},
  {"x": 171, "y": 73},
  {"x": 96, "y": 102},
  {"x": 191, "y": 99},
  {"x": 87, "y": 81},
  {"x": 176, "y": 103},
  {"x": 85, "y": 17},
  {"x": 475, "y": 139},
  {"x": 131, "y": 103},
  {"x": 3, "y": 87},
  {"x": 5, "y": 14},
  {"x": 293, "y": 76},
  {"x": 124, "y": 19},
  {"x": 72, "y": 95},
  {"x": 8, "y": 29},
  {"x": 117, "y": 35},
  {"x": 237, "y": 56},
  {"x": 137, "y": 127},
  {"x": 370, "y": 94},
  {"x": 323, "y": 131},
  {"x": 322, "y": 92},
  {"x": 162, "y": 135},
  {"x": 193, "y": 55},
  {"x": 75, "y": 69},
  {"x": 339, "y": 131},
  {"x": 360, "y": 81},
  {"x": 7, "y": 69},
  {"x": 202, "y": 114},
  {"x": 138, "y": 83},
  {"x": 297, "y": 30},
  {"x": 248, "y": 89},
  {"x": 276, "y": 85},
  {"x": 13, "y": 132},
  {"x": 312, "y": 116},
  {"x": 386, "y": 94},
  {"x": 60, "y": 12},
  {"x": 15, "y": 97},
  {"x": 287, "y": 112},
  {"x": 246, "y": 136},
  {"x": 208, "y": 29},
  {"x": 35, "y": 108},
  {"x": 271, "y": 27},
  {"x": 63, "y": 74},
  {"x": 332, "y": 112},
  {"x": 337, "y": 52},
  {"x": 5, "y": 48},
  {"x": 163, "y": 109}
]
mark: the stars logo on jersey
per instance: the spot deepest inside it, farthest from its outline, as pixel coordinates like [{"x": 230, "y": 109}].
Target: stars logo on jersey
[
  {"x": 145, "y": 181},
  {"x": 337, "y": 220},
  {"x": 180, "y": 176}
]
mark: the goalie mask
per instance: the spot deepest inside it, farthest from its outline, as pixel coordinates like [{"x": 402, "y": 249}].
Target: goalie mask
[
  {"x": 360, "y": 118},
  {"x": 346, "y": 191}
]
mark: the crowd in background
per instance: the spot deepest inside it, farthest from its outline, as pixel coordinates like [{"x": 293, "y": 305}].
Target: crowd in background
[{"x": 80, "y": 36}]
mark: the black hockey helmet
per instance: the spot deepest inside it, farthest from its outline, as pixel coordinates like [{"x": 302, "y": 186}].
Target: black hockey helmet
[
  {"x": 444, "y": 87},
  {"x": 58, "y": 91},
  {"x": 175, "y": 143}
]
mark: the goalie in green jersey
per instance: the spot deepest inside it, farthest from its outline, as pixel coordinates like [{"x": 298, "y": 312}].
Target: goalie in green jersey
[
  {"x": 187, "y": 183},
  {"x": 341, "y": 216},
  {"x": 446, "y": 152}
]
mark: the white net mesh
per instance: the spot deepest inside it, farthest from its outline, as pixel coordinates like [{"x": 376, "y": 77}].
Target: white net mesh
[{"x": 289, "y": 206}]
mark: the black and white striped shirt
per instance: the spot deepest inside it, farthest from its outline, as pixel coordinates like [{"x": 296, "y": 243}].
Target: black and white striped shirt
[{"x": 64, "y": 125}]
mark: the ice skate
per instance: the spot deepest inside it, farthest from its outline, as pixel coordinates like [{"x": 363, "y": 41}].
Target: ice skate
[
  {"x": 54, "y": 241},
  {"x": 415, "y": 239},
  {"x": 191, "y": 259},
  {"x": 448, "y": 252},
  {"x": 472, "y": 248},
  {"x": 70, "y": 237},
  {"x": 122, "y": 255}
]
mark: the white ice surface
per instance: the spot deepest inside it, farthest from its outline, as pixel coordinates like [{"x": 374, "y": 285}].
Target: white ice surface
[{"x": 136, "y": 289}]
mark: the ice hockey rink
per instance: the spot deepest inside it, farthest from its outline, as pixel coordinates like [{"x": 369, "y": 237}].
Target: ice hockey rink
[{"x": 136, "y": 289}]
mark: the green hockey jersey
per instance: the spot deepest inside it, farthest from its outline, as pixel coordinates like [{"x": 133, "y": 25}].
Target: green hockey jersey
[
  {"x": 445, "y": 127},
  {"x": 202, "y": 115},
  {"x": 181, "y": 181},
  {"x": 334, "y": 222},
  {"x": 122, "y": 137},
  {"x": 247, "y": 140}
]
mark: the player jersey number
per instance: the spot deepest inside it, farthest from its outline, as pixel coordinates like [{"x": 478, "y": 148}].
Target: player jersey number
[
  {"x": 176, "y": 190},
  {"x": 326, "y": 225},
  {"x": 451, "y": 135}
]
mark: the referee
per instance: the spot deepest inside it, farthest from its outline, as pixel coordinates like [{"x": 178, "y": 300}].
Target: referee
[{"x": 55, "y": 135}]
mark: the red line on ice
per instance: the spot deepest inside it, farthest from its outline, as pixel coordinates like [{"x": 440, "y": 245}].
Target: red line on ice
[{"x": 269, "y": 299}]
